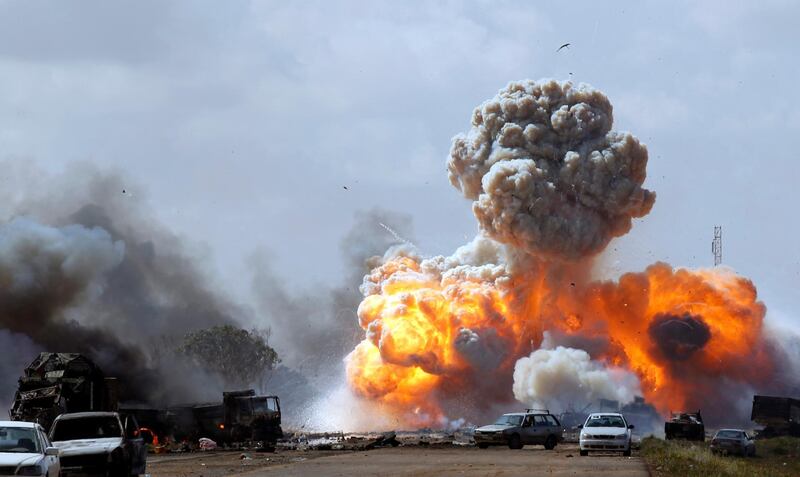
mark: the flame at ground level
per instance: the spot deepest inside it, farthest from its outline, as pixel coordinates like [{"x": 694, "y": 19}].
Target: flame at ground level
[{"x": 434, "y": 338}]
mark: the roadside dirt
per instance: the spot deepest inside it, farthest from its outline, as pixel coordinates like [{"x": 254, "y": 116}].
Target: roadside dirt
[{"x": 400, "y": 461}]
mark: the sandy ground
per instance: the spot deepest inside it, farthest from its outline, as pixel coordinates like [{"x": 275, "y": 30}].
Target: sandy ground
[{"x": 401, "y": 461}]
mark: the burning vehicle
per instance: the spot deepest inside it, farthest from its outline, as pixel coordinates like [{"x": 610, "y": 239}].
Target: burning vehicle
[
  {"x": 243, "y": 416},
  {"x": 99, "y": 443},
  {"x": 779, "y": 415},
  {"x": 67, "y": 383},
  {"x": 58, "y": 383},
  {"x": 685, "y": 425},
  {"x": 532, "y": 427}
]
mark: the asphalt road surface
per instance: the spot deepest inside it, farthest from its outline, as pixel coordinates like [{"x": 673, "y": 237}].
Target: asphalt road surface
[{"x": 403, "y": 461}]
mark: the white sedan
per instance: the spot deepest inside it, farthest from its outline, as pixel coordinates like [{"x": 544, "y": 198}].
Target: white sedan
[
  {"x": 607, "y": 431},
  {"x": 25, "y": 450}
]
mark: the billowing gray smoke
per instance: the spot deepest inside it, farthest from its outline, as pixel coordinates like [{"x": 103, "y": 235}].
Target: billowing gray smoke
[
  {"x": 546, "y": 172},
  {"x": 85, "y": 268},
  {"x": 316, "y": 328},
  {"x": 313, "y": 330},
  {"x": 44, "y": 272},
  {"x": 677, "y": 338}
]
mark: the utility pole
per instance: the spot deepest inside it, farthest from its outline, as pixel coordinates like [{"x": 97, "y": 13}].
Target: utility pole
[{"x": 716, "y": 245}]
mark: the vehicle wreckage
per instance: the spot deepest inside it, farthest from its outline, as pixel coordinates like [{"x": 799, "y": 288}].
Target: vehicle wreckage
[
  {"x": 60, "y": 383},
  {"x": 685, "y": 425},
  {"x": 780, "y": 416}
]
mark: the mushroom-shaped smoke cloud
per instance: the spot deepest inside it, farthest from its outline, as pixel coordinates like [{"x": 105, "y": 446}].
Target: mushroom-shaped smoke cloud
[{"x": 546, "y": 172}]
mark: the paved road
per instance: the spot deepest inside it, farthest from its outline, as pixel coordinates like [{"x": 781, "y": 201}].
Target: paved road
[{"x": 422, "y": 462}]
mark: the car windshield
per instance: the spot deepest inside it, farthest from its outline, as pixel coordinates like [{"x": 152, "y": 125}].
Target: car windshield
[
  {"x": 19, "y": 440},
  {"x": 605, "y": 421},
  {"x": 509, "y": 420},
  {"x": 729, "y": 434},
  {"x": 86, "y": 428}
]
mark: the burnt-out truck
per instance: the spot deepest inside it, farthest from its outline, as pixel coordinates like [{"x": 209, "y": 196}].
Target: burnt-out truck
[
  {"x": 243, "y": 416},
  {"x": 685, "y": 425},
  {"x": 780, "y": 416},
  {"x": 58, "y": 383}
]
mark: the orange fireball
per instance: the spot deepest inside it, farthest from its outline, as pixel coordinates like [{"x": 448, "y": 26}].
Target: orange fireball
[{"x": 434, "y": 337}]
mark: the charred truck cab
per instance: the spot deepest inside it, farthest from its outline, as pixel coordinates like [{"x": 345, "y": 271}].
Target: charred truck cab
[{"x": 242, "y": 416}]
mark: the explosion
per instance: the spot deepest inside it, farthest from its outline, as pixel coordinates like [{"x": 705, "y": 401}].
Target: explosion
[{"x": 551, "y": 185}]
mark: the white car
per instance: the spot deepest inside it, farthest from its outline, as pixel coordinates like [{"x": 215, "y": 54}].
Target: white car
[
  {"x": 25, "y": 450},
  {"x": 607, "y": 432},
  {"x": 99, "y": 443}
]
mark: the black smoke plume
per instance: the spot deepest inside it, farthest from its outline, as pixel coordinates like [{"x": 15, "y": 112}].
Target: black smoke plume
[
  {"x": 85, "y": 267},
  {"x": 677, "y": 338}
]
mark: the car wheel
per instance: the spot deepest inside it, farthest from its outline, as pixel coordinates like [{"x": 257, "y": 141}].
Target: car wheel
[
  {"x": 483, "y": 446},
  {"x": 550, "y": 443},
  {"x": 515, "y": 442},
  {"x": 584, "y": 453}
]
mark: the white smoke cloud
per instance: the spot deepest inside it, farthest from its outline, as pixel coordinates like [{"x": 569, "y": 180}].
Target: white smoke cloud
[
  {"x": 546, "y": 172},
  {"x": 561, "y": 377}
]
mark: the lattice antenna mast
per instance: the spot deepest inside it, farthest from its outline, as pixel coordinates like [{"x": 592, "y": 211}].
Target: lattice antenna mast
[{"x": 716, "y": 245}]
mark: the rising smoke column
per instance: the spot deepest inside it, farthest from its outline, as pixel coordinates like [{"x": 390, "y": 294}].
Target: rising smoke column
[
  {"x": 551, "y": 185},
  {"x": 546, "y": 172},
  {"x": 87, "y": 268},
  {"x": 44, "y": 271}
]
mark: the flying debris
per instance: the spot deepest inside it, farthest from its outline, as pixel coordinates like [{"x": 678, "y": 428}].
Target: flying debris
[
  {"x": 345, "y": 188},
  {"x": 565, "y": 45}
]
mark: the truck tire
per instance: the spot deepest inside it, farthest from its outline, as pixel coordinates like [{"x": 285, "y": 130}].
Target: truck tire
[
  {"x": 584, "y": 453},
  {"x": 551, "y": 442},
  {"x": 627, "y": 453},
  {"x": 483, "y": 446},
  {"x": 515, "y": 442}
]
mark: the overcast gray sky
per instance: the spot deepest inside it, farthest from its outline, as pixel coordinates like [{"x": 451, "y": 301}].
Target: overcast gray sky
[{"x": 240, "y": 122}]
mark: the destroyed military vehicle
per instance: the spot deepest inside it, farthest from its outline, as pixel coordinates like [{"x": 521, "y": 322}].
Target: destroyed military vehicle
[
  {"x": 242, "y": 416},
  {"x": 57, "y": 383},
  {"x": 518, "y": 429},
  {"x": 685, "y": 425},
  {"x": 780, "y": 416}
]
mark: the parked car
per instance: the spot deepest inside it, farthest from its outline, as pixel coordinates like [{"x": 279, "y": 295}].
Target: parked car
[
  {"x": 518, "y": 429},
  {"x": 99, "y": 443},
  {"x": 607, "y": 431},
  {"x": 26, "y": 450},
  {"x": 733, "y": 441}
]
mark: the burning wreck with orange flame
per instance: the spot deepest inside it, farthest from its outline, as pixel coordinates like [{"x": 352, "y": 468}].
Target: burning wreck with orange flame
[{"x": 518, "y": 313}]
